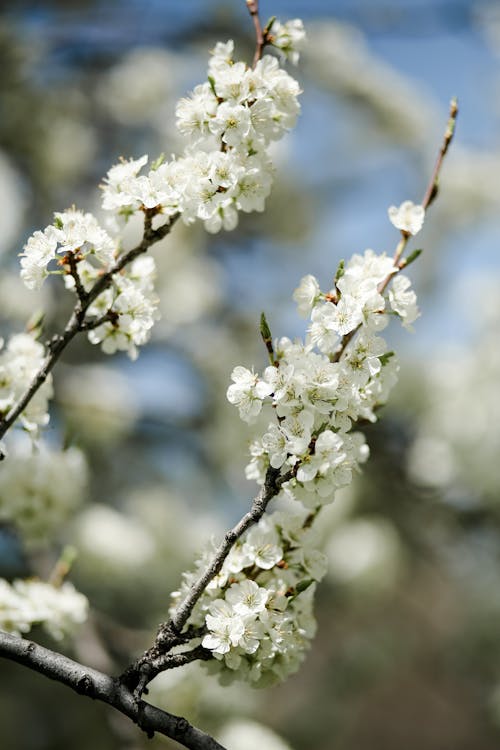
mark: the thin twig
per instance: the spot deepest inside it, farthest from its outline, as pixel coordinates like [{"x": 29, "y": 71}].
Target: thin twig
[
  {"x": 137, "y": 675},
  {"x": 109, "y": 317},
  {"x": 433, "y": 186},
  {"x": 73, "y": 267},
  {"x": 102, "y": 687},
  {"x": 253, "y": 9},
  {"x": 270, "y": 489},
  {"x": 429, "y": 196}
]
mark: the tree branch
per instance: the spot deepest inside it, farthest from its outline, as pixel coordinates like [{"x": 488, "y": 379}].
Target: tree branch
[
  {"x": 142, "y": 671},
  {"x": 261, "y": 36},
  {"x": 102, "y": 687},
  {"x": 429, "y": 196},
  {"x": 76, "y": 322},
  {"x": 270, "y": 489}
]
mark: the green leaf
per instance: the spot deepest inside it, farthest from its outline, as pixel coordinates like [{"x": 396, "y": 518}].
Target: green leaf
[
  {"x": 304, "y": 585},
  {"x": 158, "y": 162},
  {"x": 384, "y": 358},
  {"x": 412, "y": 257}
]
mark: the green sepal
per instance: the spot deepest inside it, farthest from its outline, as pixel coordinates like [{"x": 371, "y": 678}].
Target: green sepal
[
  {"x": 384, "y": 358},
  {"x": 268, "y": 26},
  {"x": 35, "y": 323},
  {"x": 211, "y": 81},
  {"x": 158, "y": 162}
]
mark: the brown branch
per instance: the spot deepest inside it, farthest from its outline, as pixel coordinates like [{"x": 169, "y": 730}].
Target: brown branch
[
  {"x": 109, "y": 317},
  {"x": 270, "y": 489},
  {"x": 261, "y": 37},
  {"x": 76, "y": 322},
  {"x": 80, "y": 291},
  {"x": 429, "y": 196},
  {"x": 169, "y": 633},
  {"x": 433, "y": 186},
  {"x": 99, "y": 686}
]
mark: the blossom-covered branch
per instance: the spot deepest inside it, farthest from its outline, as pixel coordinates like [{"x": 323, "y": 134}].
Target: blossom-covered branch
[
  {"x": 229, "y": 122},
  {"x": 247, "y": 607},
  {"x": 77, "y": 322},
  {"x": 254, "y": 594}
]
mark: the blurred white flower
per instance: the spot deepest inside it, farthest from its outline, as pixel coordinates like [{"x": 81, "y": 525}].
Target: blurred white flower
[
  {"x": 137, "y": 89},
  {"x": 114, "y": 538},
  {"x": 243, "y": 734},
  {"x": 12, "y": 204},
  {"x": 24, "y": 603},
  {"x": 40, "y": 487},
  {"x": 408, "y": 217},
  {"x": 365, "y": 551}
]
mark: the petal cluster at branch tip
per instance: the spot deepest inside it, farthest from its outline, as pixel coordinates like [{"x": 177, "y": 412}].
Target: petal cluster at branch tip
[
  {"x": 408, "y": 217},
  {"x": 229, "y": 122}
]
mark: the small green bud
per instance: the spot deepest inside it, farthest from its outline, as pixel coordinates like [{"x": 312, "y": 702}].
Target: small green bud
[
  {"x": 384, "y": 358},
  {"x": 340, "y": 271}
]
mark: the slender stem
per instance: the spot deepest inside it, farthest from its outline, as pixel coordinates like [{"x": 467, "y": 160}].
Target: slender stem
[
  {"x": 102, "y": 687},
  {"x": 429, "y": 196},
  {"x": 270, "y": 489},
  {"x": 77, "y": 323},
  {"x": 433, "y": 186},
  {"x": 73, "y": 266},
  {"x": 156, "y": 659},
  {"x": 253, "y": 9},
  {"x": 109, "y": 317}
]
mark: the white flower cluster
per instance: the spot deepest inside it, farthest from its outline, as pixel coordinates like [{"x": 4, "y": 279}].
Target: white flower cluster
[
  {"x": 132, "y": 305},
  {"x": 289, "y": 38},
  {"x": 40, "y": 487},
  {"x": 72, "y": 232},
  {"x": 24, "y": 604},
  {"x": 258, "y": 610},
  {"x": 19, "y": 362},
  {"x": 129, "y": 303},
  {"x": 320, "y": 388},
  {"x": 230, "y": 121}
]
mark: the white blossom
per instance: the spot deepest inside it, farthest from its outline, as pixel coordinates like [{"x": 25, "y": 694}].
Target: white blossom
[
  {"x": 306, "y": 295},
  {"x": 408, "y": 217},
  {"x": 25, "y": 603},
  {"x": 247, "y": 392},
  {"x": 403, "y": 300},
  {"x": 289, "y": 38}
]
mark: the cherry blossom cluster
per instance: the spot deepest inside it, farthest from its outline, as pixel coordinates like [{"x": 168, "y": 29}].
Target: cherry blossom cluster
[
  {"x": 320, "y": 388},
  {"x": 289, "y": 38},
  {"x": 23, "y": 604},
  {"x": 40, "y": 487},
  {"x": 78, "y": 247},
  {"x": 229, "y": 122},
  {"x": 258, "y": 610},
  {"x": 131, "y": 305},
  {"x": 72, "y": 234},
  {"x": 20, "y": 360}
]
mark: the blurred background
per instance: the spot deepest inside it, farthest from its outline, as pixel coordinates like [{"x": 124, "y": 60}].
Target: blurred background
[{"x": 146, "y": 458}]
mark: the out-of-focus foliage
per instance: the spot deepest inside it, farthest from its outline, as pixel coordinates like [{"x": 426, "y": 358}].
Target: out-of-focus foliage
[{"x": 408, "y": 647}]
